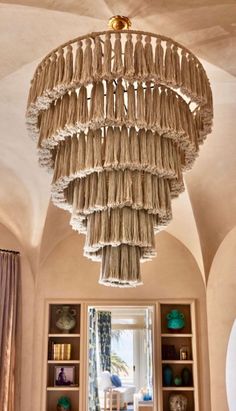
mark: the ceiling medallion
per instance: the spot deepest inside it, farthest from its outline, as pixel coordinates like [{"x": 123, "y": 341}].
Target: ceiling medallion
[{"x": 118, "y": 116}]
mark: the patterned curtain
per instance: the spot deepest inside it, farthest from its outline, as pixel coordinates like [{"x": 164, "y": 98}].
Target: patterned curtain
[
  {"x": 9, "y": 282},
  {"x": 93, "y": 374},
  {"x": 104, "y": 337}
]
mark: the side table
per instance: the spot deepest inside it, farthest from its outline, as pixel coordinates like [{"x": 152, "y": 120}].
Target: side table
[{"x": 111, "y": 400}]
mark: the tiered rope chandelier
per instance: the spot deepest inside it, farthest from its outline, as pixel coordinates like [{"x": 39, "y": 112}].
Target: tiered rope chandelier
[{"x": 119, "y": 116}]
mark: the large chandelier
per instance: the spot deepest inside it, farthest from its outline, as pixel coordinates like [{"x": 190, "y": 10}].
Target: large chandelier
[{"x": 118, "y": 117}]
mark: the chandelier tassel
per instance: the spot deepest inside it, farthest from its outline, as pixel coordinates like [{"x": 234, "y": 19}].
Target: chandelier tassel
[
  {"x": 60, "y": 67},
  {"x": 110, "y": 103},
  {"x": 131, "y": 105},
  {"x": 97, "y": 150},
  {"x": 149, "y": 55},
  {"x": 148, "y": 106},
  {"x": 141, "y": 122},
  {"x": 109, "y": 148},
  {"x": 139, "y": 59},
  {"x": 78, "y": 63},
  {"x": 176, "y": 66},
  {"x": 134, "y": 148},
  {"x": 169, "y": 76},
  {"x": 81, "y": 152},
  {"x": 124, "y": 160},
  {"x": 107, "y": 57},
  {"x": 97, "y": 59},
  {"x": 82, "y": 108},
  {"x": 159, "y": 60},
  {"x": 119, "y": 103},
  {"x": 73, "y": 155},
  {"x": 129, "y": 58},
  {"x": 87, "y": 71},
  {"x": 49, "y": 82},
  {"x": 68, "y": 73},
  {"x": 98, "y": 104},
  {"x": 151, "y": 152},
  {"x": 89, "y": 156},
  {"x": 185, "y": 76},
  {"x": 72, "y": 110},
  {"x": 117, "y": 69}
]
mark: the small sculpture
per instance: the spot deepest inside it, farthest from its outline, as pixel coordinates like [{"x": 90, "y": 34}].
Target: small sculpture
[
  {"x": 63, "y": 404},
  {"x": 66, "y": 318},
  {"x": 178, "y": 402}
]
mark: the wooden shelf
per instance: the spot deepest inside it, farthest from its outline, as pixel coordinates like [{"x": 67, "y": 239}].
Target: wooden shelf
[
  {"x": 64, "y": 335},
  {"x": 178, "y": 388},
  {"x": 71, "y": 366},
  {"x": 63, "y": 361},
  {"x": 177, "y": 361},
  {"x": 169, "y": 335},
  {"x": 172, "y": 342},
  {"x": 63, "y": 388}
]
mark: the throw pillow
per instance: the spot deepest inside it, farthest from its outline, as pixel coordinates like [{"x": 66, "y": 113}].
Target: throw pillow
[{"x": 116, "y": 381}]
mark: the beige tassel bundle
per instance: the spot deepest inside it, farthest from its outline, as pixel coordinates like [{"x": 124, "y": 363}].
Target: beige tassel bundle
[
  {"x": 119, "y": 104},
  {"x": 82, "y": 108},
  {"x": 60, "y": 67},
  {"x": 106, "y": 70},
  {"x": 159, "y": 60},
  {"x": 140, "y": 120},
  {"x": 117, "y": 68},
  {"x": 78, "y": 63},
  {"x": 129, "y": 58},
  {"x": 97, "y": 59},
  {"x": 139, "y": 59},
  {"x": 87, "y": 70},
  {"x": 149, "y": 56},
  {"x": 131, "y": 106},
  {"x": 68, "y": 72}
]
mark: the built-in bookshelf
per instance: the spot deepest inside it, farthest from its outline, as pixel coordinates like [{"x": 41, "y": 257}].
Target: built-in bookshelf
[
  {"x": 63, "y": 357},
  {"x": 178, "y": 371},
  {"x": 175, "y": 348}
]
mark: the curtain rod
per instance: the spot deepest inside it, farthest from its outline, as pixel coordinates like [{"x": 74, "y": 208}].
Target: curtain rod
[{"x": 9, "y": 251}]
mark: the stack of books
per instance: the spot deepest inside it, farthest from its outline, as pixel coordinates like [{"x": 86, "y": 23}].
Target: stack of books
[{"x": 61, "y": 352}]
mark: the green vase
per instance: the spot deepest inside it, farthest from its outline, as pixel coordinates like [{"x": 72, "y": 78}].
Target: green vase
[
  {"x": 175, "y": 320},
  {"x": 178, "y": 381}
]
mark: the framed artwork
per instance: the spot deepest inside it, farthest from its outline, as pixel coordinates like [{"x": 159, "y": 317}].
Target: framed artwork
[{"x": 64, "y": 375}]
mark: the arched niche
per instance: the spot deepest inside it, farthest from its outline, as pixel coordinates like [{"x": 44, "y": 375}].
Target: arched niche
[
  {"x": 221, "y": 307},
  {"x": 231, "y": 369}
]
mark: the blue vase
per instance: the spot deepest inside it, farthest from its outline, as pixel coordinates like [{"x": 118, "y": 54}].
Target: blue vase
[
  {"x": 167, "y": 376},
  {"x": 175, "y": 320},
  {"x": 186, "y": 377}
]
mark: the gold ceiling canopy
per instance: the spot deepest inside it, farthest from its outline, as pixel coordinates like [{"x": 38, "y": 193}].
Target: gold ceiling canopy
[{"x": 118, "y": 116}]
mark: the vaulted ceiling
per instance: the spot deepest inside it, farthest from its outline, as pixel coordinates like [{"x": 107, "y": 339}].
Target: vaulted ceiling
[{"x": 29, "y": 29}]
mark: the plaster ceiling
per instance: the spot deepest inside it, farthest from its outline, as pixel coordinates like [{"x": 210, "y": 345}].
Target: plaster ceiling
[{"x": 29, "y": 29}]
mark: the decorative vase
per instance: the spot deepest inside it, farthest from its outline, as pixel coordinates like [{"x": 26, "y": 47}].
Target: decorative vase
[
  {"x": 66, "y": 318},
  {"x": 167, "y": 375},
  {"x": 178, "y": 381},
  {"x": 178, "y": 402},
  {"x": 175, "y": 320},
  {"x": 186, "y": 376}
]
